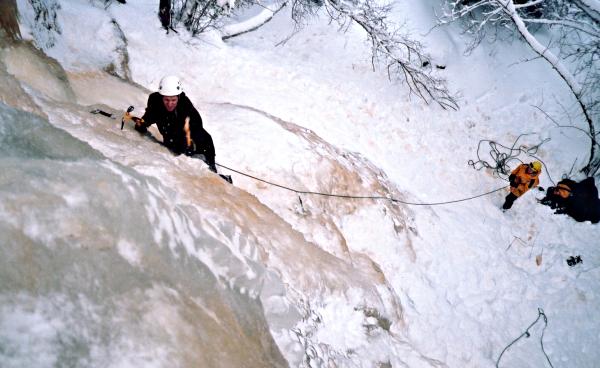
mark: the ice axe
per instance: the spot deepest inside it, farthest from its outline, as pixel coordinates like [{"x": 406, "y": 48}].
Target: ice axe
[
  {"x": 103, "y": 113},
  {"x": 127, "y": 115}
]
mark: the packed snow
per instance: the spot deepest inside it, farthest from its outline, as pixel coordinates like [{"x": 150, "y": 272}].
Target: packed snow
[{"x": 339, "y": 282}]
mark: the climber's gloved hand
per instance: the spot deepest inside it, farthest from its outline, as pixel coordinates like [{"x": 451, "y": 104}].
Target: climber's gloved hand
[{"x": 141, "y": 128}]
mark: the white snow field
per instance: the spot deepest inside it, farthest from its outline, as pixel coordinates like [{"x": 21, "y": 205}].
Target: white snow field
[{"x": 116, "y": 253}]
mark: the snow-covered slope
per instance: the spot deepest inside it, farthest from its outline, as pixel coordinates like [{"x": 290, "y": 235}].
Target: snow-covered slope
[{"x": 343, "y": 282}]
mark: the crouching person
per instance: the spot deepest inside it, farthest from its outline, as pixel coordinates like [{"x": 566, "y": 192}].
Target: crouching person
[
  {"x": 578, "y": 200},
  {"x": 178, "y": 121},
  {"x": 523, "y": 178}
]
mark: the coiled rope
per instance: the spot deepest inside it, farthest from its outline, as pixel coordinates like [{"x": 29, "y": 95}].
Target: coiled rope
[
  {"x": 298, "y": 191},
  {"x": 542, "y": 315},
  {"x": 500, "y": 160}
]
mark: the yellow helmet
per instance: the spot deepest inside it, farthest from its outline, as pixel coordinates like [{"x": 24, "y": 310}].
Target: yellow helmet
[{"x": 536, "y": 165}]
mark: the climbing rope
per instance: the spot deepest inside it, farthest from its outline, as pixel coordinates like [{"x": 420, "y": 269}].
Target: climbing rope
[
  {"x": 501, "y": 160},
  {"x": 500, "y": 166},
  {"x": 542, "y": 315},
  {"x": 357, "y": 197}
]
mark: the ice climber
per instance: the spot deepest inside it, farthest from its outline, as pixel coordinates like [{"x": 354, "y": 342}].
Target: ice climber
[
  {"x": 178, "y": 121},
  {"x": 523, "y": 178}
]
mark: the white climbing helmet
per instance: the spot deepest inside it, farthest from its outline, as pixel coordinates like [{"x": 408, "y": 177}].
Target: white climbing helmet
[{"x": 170, "y": 86}]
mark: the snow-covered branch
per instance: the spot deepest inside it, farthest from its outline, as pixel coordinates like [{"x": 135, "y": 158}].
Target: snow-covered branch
[
  {"x": 542, "y": 50},
  {"x": 578, "y": 16},
  {"x": 579, "y": 26},
  {"x": 529, "y": 4},
  {"x": 200, "y": 15},
  {"x": 405, "y": 58},
  {"x": 590, "y": 7},
  {"x": 249, "y": 25}
]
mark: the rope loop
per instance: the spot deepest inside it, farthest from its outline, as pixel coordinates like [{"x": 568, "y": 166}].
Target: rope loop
[
  {"x": 502, "y": 156},
  {"x": 526, "y": 334}
]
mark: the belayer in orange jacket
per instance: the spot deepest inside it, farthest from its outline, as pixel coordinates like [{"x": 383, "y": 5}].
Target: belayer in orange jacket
[{"x": 523, "y": 178}]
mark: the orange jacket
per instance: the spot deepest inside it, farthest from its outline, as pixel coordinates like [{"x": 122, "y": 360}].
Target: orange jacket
[{"x": 522, "y": 181}]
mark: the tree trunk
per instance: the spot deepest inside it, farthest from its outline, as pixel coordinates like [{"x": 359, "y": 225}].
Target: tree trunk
[
  {"x": 8, "y": 20},
  {"x": 164, "y": 13},
  {"x": 594, "y": 162}
]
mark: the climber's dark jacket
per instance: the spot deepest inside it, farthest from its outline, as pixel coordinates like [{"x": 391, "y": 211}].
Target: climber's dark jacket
[{"x": 172, "y": 126}]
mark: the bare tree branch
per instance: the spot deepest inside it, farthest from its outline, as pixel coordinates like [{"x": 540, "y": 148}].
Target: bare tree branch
[
  {"x": 405, "y": 59},
  {"x": 577, "y": 22}
]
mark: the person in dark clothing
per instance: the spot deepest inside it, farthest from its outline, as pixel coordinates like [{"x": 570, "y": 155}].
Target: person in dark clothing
[
  {"x": 578, "y": 200},
  {"x": 178, "y": 121},
  {"x": 164, "y": 13},
  {"x": 558, "y": 196}
]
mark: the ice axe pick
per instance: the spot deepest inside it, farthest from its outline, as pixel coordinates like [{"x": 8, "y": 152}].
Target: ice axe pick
[{"x": 129, "y": 109}]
